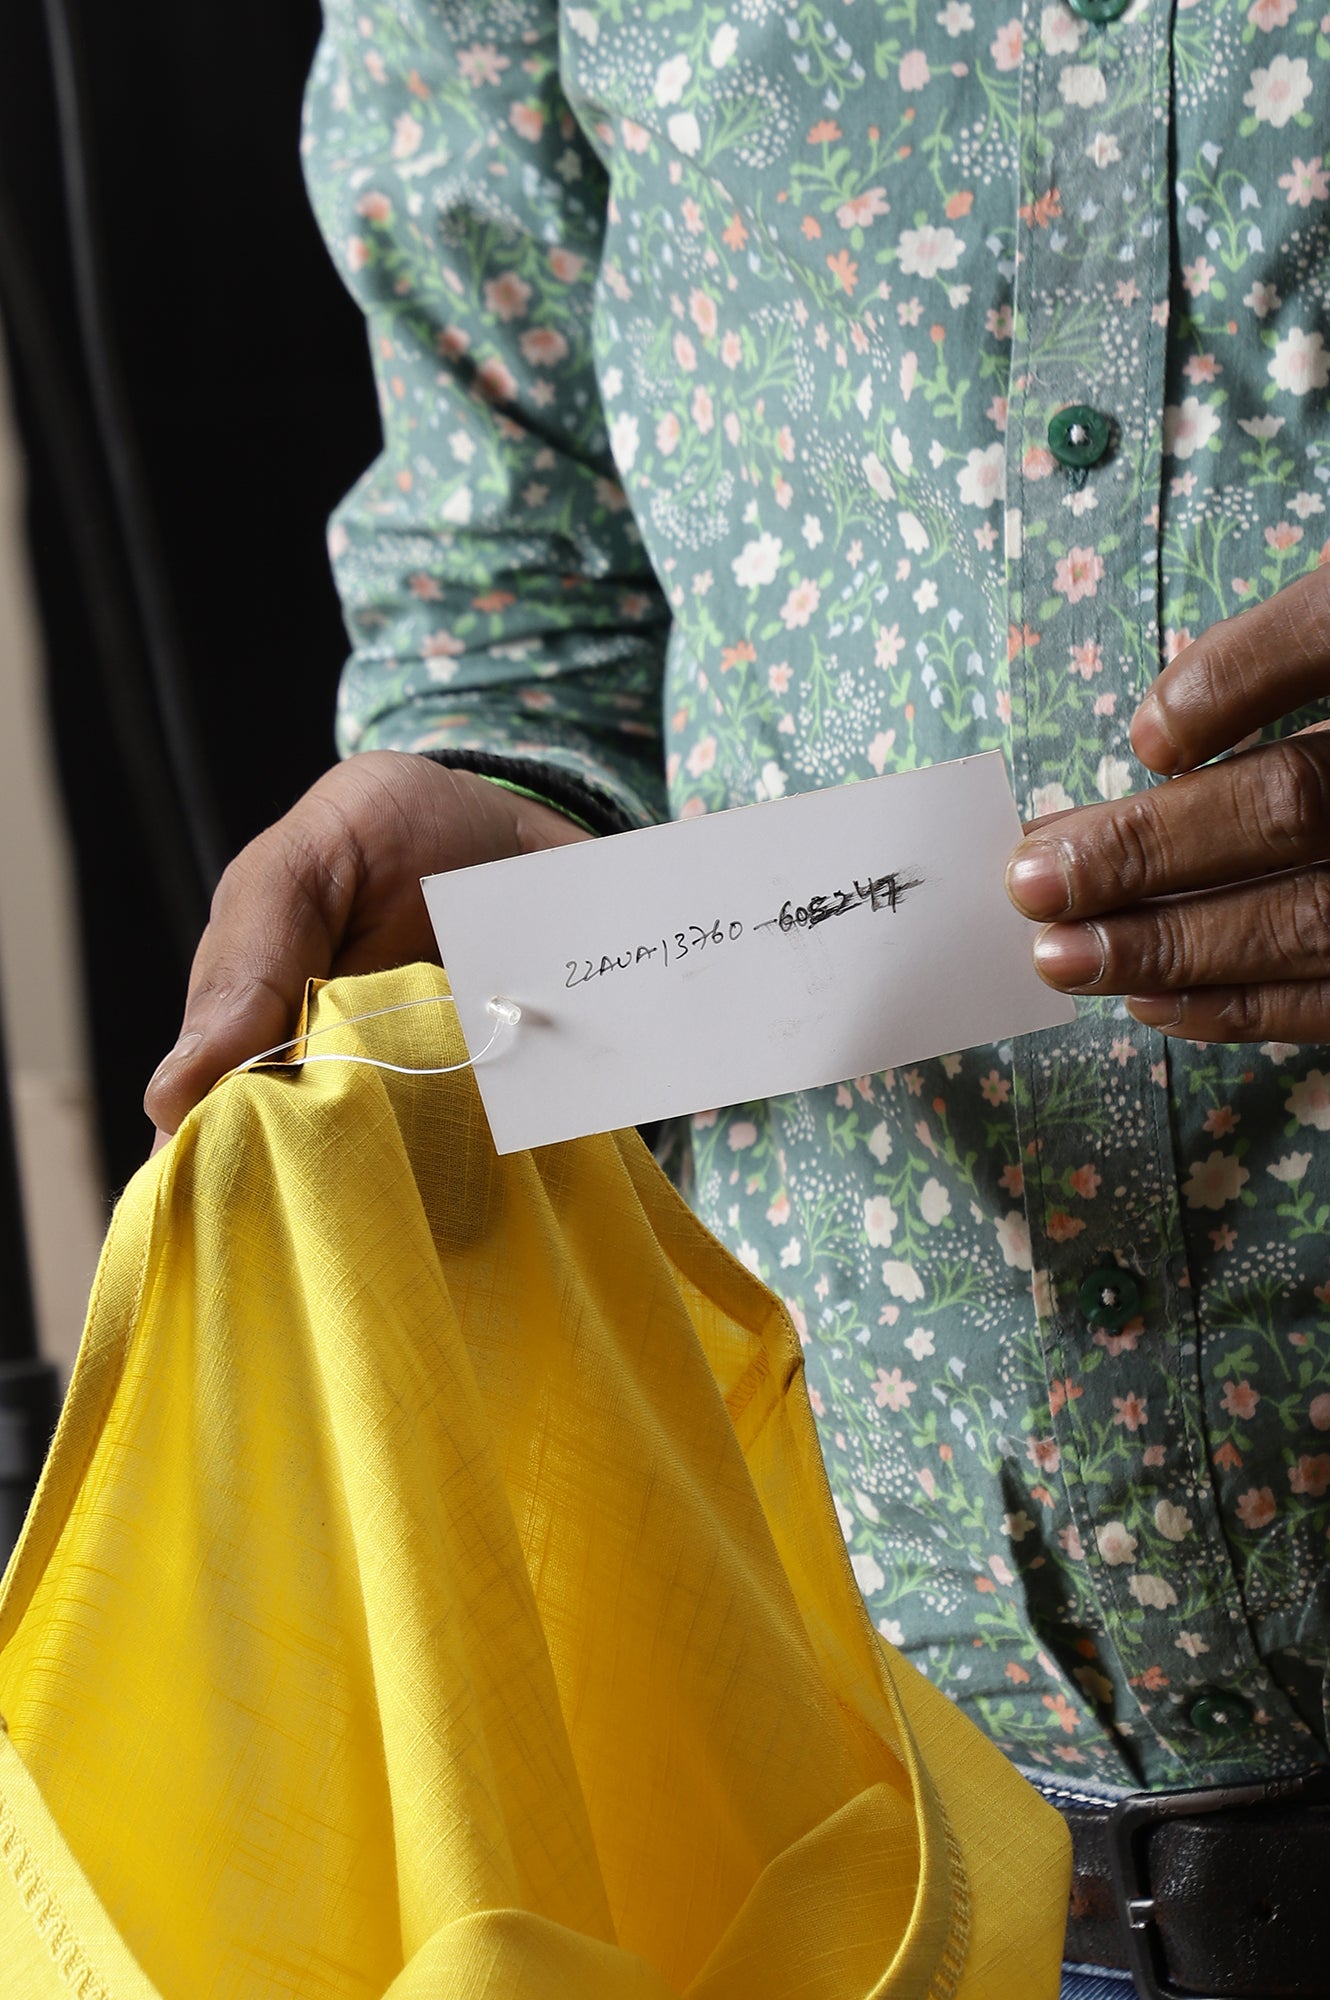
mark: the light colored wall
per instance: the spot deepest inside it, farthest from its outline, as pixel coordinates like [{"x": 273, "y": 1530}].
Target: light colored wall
[{"x": 39, "y": 979}]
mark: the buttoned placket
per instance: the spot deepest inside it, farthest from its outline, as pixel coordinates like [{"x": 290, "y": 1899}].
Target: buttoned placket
[{"x": 1114, "y": 1293}]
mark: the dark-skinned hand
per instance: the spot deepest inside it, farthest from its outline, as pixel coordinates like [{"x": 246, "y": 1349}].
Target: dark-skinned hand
[
  {"x": 1207, "y": 900},
  {"x": 334, "y": 887}
]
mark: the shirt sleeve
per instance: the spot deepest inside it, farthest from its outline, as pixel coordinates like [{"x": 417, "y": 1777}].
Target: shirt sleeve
[{"x": 497, "y": 595}]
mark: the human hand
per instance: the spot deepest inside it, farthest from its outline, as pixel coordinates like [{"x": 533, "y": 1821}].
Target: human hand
[
  {"x": 332, "y": 888},
  {"x": 1206, "y": 900}
]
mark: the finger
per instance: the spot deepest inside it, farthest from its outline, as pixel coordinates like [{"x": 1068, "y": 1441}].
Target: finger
[
  {"x": 1274, "y": 930},
  {"x": 1240, "y": 675},
  {"x": 1257, "y": 814},
  {"x": 334, "y": 887},
  {"x": 1285, "y": 1011},
  {"x": 418, "y": 820},
  {"x": 268, "y": 935},
  {"x": 278, "y": 916}
]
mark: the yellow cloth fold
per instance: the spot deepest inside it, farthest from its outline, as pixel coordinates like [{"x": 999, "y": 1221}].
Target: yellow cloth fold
[{"x": 434, "y": 1592}]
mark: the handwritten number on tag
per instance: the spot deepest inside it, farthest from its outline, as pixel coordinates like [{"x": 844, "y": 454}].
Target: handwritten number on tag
[
  {"x": 581, "y": 970},
  {"x": 879, "y": 892}
]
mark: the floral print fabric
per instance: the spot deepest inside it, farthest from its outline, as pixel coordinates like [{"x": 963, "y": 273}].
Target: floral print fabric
[{"x": 717, "y": 343}]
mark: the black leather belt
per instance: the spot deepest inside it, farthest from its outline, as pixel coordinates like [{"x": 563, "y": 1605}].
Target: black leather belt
[{"x": 1222, "y": 1894}]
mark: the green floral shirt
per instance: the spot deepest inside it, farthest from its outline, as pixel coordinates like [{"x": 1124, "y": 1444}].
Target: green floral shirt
[{"x": 717, "y": 343}]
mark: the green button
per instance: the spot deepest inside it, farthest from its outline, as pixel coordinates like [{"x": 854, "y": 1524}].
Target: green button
[
  {"x": 1078, "y": 436},
  {"x": 1109, "y": 1298},
  {"x": 1216, "y": 1711},
  {"x": 1099, "y": 11}
]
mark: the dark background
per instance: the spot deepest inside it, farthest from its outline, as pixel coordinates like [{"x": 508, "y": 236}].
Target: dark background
[{"x": 244, "y": 410}]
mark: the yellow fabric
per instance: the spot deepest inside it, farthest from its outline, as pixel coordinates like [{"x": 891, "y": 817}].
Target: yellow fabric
[{"x": 434, "y": 1592}]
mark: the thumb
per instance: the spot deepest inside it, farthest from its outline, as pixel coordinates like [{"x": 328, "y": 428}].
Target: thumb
[{"x": 275, "y": 923}]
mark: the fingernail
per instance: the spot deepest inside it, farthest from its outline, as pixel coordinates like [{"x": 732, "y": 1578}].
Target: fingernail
[
  {"x": 1071, "y": 955},
  {"x": 1151, "y": 737},
  {"x": 1156, "y": 1010},
  {"x": 184, "y": 1047},
  {"x": 1038, "y": 881}
]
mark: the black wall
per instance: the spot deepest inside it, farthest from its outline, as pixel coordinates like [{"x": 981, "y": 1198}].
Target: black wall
[{"x": 247, "y": 393}]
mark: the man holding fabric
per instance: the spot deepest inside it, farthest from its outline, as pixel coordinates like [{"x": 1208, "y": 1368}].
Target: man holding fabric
[{"x": 774, "y": 399}]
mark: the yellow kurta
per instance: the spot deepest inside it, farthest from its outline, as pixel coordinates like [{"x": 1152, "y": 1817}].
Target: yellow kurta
[{"x": 434, "y": 1592}]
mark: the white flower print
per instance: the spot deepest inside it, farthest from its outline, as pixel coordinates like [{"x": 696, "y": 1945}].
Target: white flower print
[
  {"x": 1215, "y": 1181},
  {"x": 757, "y": 562},
  {"x": 723, "y": 44},
  {"x": 1060, "y": 31},
  {"x": 981, "y": 478},
  {"x": 685, "y": 133},
  {"x": 875, "y": 472},
  {"x": 920, "y": 1343},
  {"x": 1051, "y": 798},
  {"x": 956, "y": 18},
  {"x": 1279, "y": 92},
  {"x": 1116, "y": 1544},
  {"x": 672, "y": 78},
  {"x": 1291, "y": 1168},
  {"x": 456, "y": 509},
  {"x": 1189, "y": 426},
  {"x": 924, "y": 252},
  {"x": 879, "y": 1143},
  {"x": 913, "y": 533},
  {"x": 1113, "y": 777},
  {"x": 1300, "y": 362},
  {"x": 867, "y": 1573},
  {"x": 1013, "y": 1235},
  {"x": 1082, "y": 84},
  {"x": 1263, "y": 300},
  {"x": 1172, "y": 1521},
  {"x": 1155, "y": 1592},
  {"x": 934, "y": 1202},
  {"x": 624, "y": 439},
  {"x": 1309, "y": 1101},
  {"x": 879, "y": 1221},
  {"x": 902, "y": 1281}
]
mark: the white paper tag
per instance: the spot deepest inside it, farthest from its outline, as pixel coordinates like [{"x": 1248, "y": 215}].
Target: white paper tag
[{"x": 743, "y": 954}]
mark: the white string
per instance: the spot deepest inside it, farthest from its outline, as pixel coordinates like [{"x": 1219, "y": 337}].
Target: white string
[{"x": 505, "y": 1014}]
